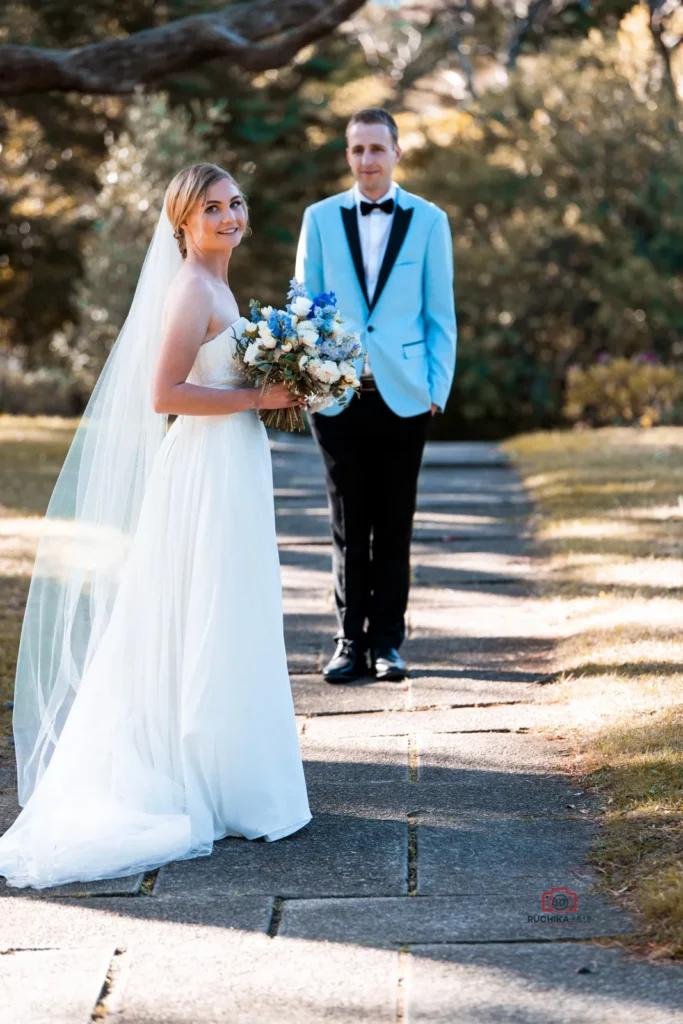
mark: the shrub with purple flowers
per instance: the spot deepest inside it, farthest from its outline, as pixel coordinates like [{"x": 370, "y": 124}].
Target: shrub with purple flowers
[{"x": 304, "y": 346}]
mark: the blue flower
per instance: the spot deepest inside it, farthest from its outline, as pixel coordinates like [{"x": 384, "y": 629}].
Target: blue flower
[
  {"x": 274, "y": 325},
  {"x": 324, "y": 309},
  {"x": 326, "y": 300},
  {"x": 287, "y": 328},
  {"x": 297, "y": 288}
]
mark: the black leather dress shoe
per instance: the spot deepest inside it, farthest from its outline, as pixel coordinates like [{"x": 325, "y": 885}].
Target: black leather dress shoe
[
  {"x": 388, "y": 664},
  {"x": 347, "y": 663}
]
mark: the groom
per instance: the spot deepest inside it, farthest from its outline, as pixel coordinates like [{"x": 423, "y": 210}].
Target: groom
[{"x": 388, "y": 256}]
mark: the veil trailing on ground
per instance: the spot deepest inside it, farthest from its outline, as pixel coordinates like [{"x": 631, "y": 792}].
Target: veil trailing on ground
[{"x": 92, "y": 514}]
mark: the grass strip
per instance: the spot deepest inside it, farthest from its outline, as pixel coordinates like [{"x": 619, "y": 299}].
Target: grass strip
[{"x": 610, "y": 517}]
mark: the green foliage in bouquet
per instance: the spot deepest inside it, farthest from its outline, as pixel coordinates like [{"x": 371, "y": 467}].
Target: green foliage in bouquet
[{"x": 617, "y": 392}]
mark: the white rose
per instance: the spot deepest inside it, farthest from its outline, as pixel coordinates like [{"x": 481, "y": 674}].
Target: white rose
[
  {"x": 313, "y": 367},
  {"x": 348, "y": 372},
  {"x": 266, "y": 335},
  {"x": 307, "y": 333},
  {"x": 326, "y": 371},
  {"x": 267, "y": 311},
  {"x": 287, "y": 347},
  {"x": 331, "y": 370},
  {"x": 252, "y": 352},
  {"x": 301, "y": 306},
  {"x": 251, "y": 330}
]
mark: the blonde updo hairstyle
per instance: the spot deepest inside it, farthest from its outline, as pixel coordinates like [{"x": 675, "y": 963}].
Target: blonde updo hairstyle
[{"x": 188, "y": 188}]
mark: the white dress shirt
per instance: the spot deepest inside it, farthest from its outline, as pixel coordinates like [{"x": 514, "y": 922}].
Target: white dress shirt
[{"x": 374, "y": 230}]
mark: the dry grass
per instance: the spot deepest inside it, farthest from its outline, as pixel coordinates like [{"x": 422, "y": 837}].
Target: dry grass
[
  {"x": 611, "y": 518},
  {"x": 31, "y": 454}
]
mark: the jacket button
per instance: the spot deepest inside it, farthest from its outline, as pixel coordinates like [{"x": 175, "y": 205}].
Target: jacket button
[{"x": 370, "y": 329}]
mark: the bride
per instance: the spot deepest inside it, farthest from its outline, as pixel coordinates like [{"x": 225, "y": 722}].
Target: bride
[{"x": 153, "y": 711}]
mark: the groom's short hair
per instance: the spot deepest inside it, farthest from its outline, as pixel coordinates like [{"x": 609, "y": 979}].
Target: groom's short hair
[{"x": 375, "y": 115}]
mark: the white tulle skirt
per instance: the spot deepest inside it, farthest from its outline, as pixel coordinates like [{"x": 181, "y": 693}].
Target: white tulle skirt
[{"x": 183, "y": 729}]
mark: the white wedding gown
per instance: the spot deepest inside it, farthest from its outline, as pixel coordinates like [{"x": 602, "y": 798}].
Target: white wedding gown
[{"x": 183, "y": 730}]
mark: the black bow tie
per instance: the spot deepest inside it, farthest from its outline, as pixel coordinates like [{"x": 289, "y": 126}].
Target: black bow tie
[{"x": 386, "y": 207}]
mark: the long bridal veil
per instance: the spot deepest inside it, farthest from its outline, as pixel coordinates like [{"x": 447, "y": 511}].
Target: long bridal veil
[{"x": 91, "y": 516}]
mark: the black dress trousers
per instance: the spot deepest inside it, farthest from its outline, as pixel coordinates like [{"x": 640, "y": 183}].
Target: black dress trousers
[{"x": 372, "y": 461}]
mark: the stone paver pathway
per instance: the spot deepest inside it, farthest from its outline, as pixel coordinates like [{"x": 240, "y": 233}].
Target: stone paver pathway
[{"x": 441, "y": 818}]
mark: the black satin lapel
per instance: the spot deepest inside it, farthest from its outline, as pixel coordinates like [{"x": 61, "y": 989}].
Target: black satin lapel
[
  {"x": 399, "y": 229},
  {"x": 350, "y": 218}
]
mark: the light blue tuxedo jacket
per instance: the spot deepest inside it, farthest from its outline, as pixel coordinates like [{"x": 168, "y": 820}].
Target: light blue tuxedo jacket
[{"x": 409, "y": 328}]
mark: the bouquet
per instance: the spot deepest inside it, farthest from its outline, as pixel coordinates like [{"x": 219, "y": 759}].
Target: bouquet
[{"x": 305, "y": 346}]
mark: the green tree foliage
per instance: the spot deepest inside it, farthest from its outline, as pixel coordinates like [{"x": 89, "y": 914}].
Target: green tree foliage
[
  {"x": 566, "y": 205},
  {"x": 47, "y": 178},
  {"x": 153, "y": 143},
  {"x": 563, "y": 187},
  {"x": 274, "y": 131},
  {"x": 52, "y": 146}
]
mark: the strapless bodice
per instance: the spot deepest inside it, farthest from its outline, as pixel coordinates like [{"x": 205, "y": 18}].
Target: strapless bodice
[{"x": 216, "y": 363}]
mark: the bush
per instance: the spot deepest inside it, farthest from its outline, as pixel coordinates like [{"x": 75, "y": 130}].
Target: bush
[
  {"x": 45, "y": 392},
  {"x": 624, "y": 391}
]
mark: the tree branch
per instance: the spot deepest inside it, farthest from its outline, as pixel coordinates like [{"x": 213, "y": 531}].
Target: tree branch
[
  {"x": 538, "y": 13},
  {"x": 521, "y": 28},
  {"x": 236, "y": 33},
  {"x": 659, "y": 11}
]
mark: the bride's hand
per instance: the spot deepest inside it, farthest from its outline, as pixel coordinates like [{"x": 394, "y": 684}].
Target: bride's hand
[{"x": 279, "y": 397}]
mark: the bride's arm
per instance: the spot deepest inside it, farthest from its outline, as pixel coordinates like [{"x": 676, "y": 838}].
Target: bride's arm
[{"x": 186, "y": 318}]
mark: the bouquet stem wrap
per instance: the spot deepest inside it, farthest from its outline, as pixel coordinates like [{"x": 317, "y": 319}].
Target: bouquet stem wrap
[{"x": 283, "y": 419}]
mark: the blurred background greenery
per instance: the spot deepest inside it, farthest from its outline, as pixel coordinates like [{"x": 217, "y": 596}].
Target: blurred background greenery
[{"x": 550, "y": 133}]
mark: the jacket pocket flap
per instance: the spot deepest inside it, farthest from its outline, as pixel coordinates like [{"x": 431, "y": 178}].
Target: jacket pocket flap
[{"x": 413, "y": 349}]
